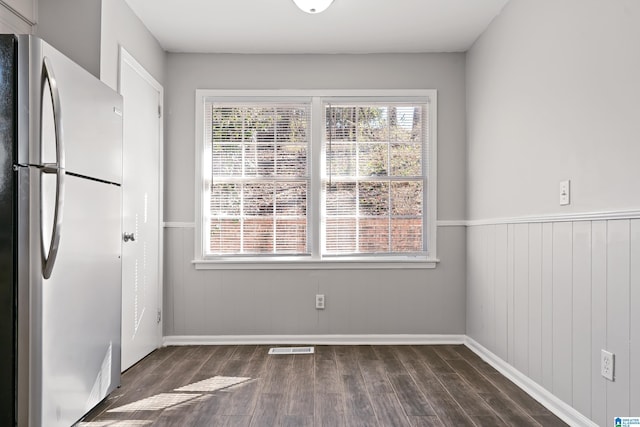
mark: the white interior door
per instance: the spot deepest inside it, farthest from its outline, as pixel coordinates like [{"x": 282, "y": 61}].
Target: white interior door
[{"x": 142, "y": 197}]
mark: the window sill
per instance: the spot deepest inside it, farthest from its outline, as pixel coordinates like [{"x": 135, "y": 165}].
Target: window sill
[{"x": 307, "y": 264}]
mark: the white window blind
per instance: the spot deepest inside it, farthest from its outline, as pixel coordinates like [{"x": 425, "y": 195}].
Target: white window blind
[
  {"x": 375, "y": 178},
  {"x": 256, "y": 178}
]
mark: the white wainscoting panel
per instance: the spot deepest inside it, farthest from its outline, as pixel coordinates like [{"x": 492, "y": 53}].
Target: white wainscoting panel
[
  {"x": 501, "y": 312},
  {"x": 562, "y": 319},
  {"x": 581, "y": 336},
  {"x": 510, "y": 297},
  {"x": 521, "y": 297},
  {"x": 547, "y": 306},
  {"x": 490, "y": 272},
  {"x": 546, "y": 297},
  {"x": 598, "y": 319},
  {"x": 535, "y": 302},
  {"x": 618, "y": 316},
  {"x": 634, "y": 322},
  {"x": 474, "y": 297}
]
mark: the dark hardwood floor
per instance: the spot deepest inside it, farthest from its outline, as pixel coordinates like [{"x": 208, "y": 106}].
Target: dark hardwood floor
[{"x": 336, "y": 386}]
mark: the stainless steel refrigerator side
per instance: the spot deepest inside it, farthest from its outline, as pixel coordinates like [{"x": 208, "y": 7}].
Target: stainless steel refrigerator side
[
  {"x": 27, "y": 409},
  {"x": 27, "y": 146},
  {"x": 29, "y": 266}
]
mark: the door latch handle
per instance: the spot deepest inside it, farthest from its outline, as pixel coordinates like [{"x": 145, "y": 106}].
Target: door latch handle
[{"x": 128, "y": 236}]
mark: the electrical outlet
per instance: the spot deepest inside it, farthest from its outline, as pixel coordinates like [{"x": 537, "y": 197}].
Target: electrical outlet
[
  {"x": 320, "y": 302},
  {"x": 607, "y": 364}
]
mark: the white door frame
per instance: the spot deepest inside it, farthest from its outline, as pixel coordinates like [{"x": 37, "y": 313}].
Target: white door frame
[{"x": 126, "y": 58}]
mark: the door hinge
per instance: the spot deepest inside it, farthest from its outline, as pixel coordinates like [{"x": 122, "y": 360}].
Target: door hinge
[
  {"x": 159, "y": 316},
  {"x": 159, "y": 111}
]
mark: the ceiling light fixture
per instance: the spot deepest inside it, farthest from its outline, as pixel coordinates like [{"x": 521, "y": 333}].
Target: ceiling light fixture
[{"x": 313, "y": 6}]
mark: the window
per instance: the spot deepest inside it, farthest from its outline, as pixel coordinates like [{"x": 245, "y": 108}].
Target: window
[
  {"x": 374, "y": 183},
  {"x": 256, "y": 178},
  {"x": 296, "y": 179}
]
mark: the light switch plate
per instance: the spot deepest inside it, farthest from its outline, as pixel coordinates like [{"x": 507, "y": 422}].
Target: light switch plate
[{"x": 565, "y": 192}]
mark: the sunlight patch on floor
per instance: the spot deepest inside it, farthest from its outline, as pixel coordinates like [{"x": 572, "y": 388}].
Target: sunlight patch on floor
[
  {"x": 192, "y": 393},
  {"x": 121, "y": 423},
  {"x": 156, "y": 403},
  {"x": 213, "y": 384}
]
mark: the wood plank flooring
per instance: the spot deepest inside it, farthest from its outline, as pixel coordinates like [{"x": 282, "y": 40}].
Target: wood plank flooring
[{"x": 337, "y": 386}]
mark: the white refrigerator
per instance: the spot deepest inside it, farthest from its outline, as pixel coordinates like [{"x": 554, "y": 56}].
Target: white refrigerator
[{"x": 60, "y": 236}]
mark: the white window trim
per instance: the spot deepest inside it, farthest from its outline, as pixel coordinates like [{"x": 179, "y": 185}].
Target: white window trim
[{"x": 314, "y": 262}]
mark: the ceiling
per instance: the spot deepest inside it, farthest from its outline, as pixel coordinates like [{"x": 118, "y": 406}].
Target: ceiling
[{"x": 348, "y": 26}]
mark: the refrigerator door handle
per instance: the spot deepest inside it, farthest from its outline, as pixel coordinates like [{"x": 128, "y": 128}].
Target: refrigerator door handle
[
  {"x": 49, "y": 77},
  {"x": 49, "y": 254}
]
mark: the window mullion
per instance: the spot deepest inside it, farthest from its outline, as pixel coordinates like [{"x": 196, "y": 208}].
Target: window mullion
[
  {"x": 357, "y": 174},
  {"x": 389, "y": 173},
  {"x": 275, "y": 174},
  {"x": 274, "y": 219},
  {"x": 242, "y": 218},
  {"x": 389, "y": 238},
  {"x": 315, "y": 216},
  {"x": 242, "y": 145},
  {"x": 243, "y": 174}
]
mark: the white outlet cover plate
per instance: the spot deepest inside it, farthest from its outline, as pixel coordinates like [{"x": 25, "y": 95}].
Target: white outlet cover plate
[{"x": 607, "y": 364}]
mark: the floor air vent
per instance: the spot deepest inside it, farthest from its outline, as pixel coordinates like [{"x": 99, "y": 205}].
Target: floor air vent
[{"x": 291, "y": 350}]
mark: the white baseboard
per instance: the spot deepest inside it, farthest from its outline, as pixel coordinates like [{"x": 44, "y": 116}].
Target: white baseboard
[
  {"x": 391, "y": 339},
  {"x": 562, "y": 410}
]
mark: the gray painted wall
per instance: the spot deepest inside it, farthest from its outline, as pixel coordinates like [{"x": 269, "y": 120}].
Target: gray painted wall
[
  {"x": 73, "y": 27},
  {"x": 121, "y": 27},
  {"x": 237, "y": 302},
  {"x": 90, "y": 32},
  {"x": 188, "y": 72},
  {"x": 553, "y": 94},
  {"x": 282, "y": 302}
]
